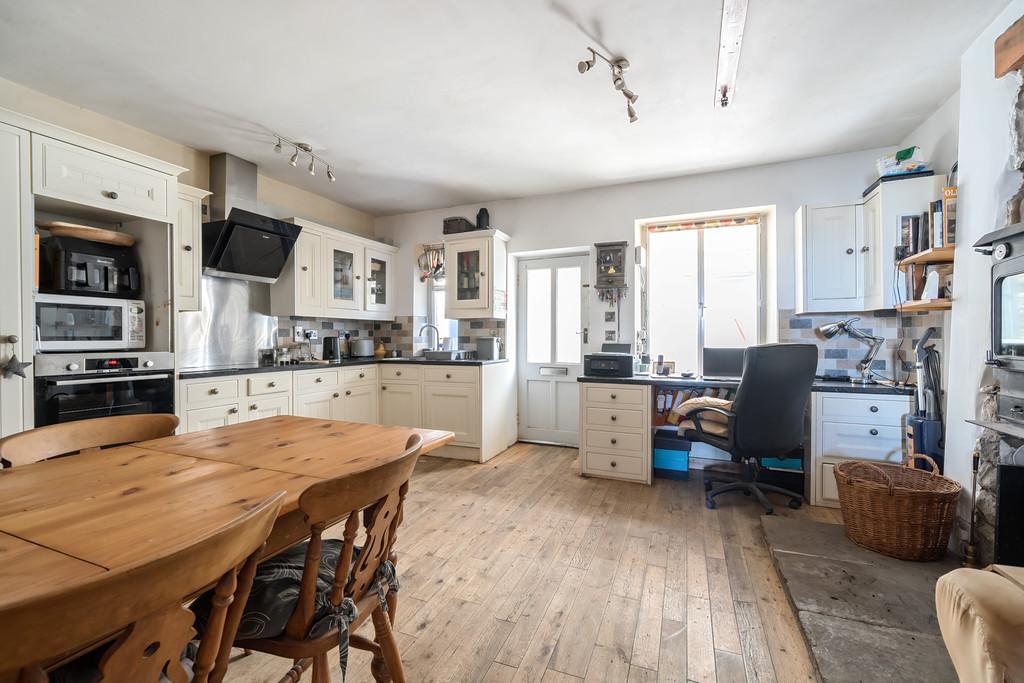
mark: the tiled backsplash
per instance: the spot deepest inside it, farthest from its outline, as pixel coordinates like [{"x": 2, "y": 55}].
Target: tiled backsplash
[
  {"x": 471, "y": 330},
  {"x": 840, "y": 355}
]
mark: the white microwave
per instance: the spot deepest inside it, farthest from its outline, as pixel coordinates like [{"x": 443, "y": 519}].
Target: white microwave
[{"x": 86, "y": 323}]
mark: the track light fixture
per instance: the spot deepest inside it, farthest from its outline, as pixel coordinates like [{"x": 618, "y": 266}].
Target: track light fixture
[
  {"x": 618, "y": 67},
  {"x": 304, "y": 148}
]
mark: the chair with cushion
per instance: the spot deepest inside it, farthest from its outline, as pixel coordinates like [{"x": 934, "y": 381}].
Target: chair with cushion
[
  {"x": 309, "y": 599},
  {"x": 82, "y": 436},
  {"x": 765, "y": 420},
  {"x": 132, "y": 623}
]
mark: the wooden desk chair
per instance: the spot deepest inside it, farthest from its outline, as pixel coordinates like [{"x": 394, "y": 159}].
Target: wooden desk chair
[
  {"x": 81, "y": 436},
  {"x": 142, "y": 607},
  {"x": 321, "y": 617}
]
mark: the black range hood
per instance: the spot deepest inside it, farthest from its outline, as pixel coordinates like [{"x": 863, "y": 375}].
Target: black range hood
[{"x": 247, "y": 246}]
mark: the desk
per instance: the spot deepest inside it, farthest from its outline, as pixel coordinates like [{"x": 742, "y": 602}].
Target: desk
[
  {"x": 846, "y": 421},
  {"x": 64, "y": 520}
]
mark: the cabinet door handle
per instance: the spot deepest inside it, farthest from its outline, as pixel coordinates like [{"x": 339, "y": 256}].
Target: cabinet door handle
[
  {"x": 109, "y": 194},
  {"x": 614, "y": 397},
  {"x": 214, "y": 391},
  {"x": 614, "y": 418},
  {"x": 336, "y": 394},
  {"x": 483, "y": 274},
  {"x": 614, "y": 441},
  {"x": 348, "y": 393},
  {"x": 873, "y": 432},
  {"x": 233, "y": 410},
  {"x": 254, "y": 407},
  {"x": 874, "y": 409},
  {"x": 447, "y": 376},
  {"x": 305, "y": 268},
  {"x": 864, "y": 249},
  {"x": 271, "y": 384},
  {"x": 614, "y": 463},
  {"x": 359, "y": 277},
  {"x": 318, "y": 380},
  {"x": 850, "y": 250},
  {"x": 187, "y": 247},
  {"x": 361, "y": 375},
  {"x": 398, "y": 374},
  {"x": 383, "y": 388}
]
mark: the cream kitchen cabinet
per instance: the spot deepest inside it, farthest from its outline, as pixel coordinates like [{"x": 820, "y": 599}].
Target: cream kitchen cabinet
[
  {"x": 68, "y": 172},
  {"x": 615, "y": 433},
  {"x": 198, "y": 419},
  {"x": 210, "y": 402},
  {"x": 476, "y": 267},
  {"x": 333, "y": 274},
  {"x": 454, "y": 408},
  {"x": 360, "y": 403},
  {"x": 845, "y": 251},
  {"x": 350, "y": 394},
  {"x": 401, "y": 404},
  {"x": 324, "y": 405},
  {"x": 188, "y": 248},
  {"x": 259, "y": 407}
]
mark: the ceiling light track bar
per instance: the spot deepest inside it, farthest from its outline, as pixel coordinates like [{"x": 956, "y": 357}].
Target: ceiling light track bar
[{"x": 307, "y": 149}]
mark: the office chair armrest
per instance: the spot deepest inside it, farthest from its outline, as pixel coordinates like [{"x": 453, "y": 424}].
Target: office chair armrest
[{"x": 694, "y": 416}]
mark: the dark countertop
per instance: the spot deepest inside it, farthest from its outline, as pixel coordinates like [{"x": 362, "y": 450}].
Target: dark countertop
[
  {"x": 245, "y": 369},
  {"x": 695, "y": 383}
]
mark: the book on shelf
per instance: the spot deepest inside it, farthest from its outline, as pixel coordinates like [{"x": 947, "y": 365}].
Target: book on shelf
[
  {"x": 938, "y": 225},
  {"x": 924, "y": 239},
  {"x": 949, "y": 215}
]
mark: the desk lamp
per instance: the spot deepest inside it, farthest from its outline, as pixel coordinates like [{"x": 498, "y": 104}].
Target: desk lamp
[{"x": 830, "y": 330}]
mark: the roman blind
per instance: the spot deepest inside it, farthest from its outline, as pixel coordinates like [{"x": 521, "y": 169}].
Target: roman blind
[{"x": 705, "y": 223}]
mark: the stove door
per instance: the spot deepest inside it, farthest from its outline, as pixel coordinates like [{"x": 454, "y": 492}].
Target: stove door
[{"x": 71, "y": 399}]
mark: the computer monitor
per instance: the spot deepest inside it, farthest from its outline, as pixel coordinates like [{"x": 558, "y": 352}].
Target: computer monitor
[{"x": 723, "y": 363}]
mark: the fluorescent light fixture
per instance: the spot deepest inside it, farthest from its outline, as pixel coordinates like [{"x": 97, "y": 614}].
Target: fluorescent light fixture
[{"x": 734, "y": 16}]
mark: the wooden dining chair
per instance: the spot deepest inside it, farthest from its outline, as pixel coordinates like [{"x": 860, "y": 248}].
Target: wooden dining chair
[
  {"x": 340, "y": 585},
  {"x": 82, "y": 436},
  {"x": 131, "y": 622}
]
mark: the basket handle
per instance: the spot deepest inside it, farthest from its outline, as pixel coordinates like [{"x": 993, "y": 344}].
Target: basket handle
[
  {"x": 922, "y": 456},
  {"x": 876, "y": 468}
]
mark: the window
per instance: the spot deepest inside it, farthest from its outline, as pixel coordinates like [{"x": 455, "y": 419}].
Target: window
[
  {"x": 449, "y": 329},
  {"x": 703, "y": 288}
]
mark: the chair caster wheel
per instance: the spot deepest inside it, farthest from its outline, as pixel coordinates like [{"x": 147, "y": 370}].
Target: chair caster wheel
[
  {"x": 795, "y": 503},
  {"x": 707, "y": 486},
  {"x": 710, "y": 504}
]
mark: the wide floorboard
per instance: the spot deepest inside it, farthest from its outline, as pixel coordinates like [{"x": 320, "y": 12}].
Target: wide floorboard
[{"x": 521, "y": 570}]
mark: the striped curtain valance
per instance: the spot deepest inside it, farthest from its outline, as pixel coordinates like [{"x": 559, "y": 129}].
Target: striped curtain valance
[{"x": 703, "y": 223}]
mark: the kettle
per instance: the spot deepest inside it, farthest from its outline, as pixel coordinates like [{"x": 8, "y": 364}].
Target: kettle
[{"x": 331, "y": 349}]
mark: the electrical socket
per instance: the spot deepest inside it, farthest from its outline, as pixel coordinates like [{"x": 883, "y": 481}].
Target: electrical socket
[
  {"x": 312, "y": 335},
  {"x": 297, "y": 334}
]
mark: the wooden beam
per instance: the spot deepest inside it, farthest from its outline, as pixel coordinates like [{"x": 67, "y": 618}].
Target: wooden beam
[{"x": 1010, "y": 49}]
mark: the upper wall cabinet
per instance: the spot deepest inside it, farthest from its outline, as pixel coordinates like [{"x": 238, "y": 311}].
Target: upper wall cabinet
[
  {"x": 476, "y": 275},
  {"x": 845, "y": 257},
  {"x": 64, "y": 171},
  {"x": 188, "y": 248},
  {"x": 332, "y": 274}
]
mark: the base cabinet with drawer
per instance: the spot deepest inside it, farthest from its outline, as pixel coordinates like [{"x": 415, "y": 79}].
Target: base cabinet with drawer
[
  {"x": 220, "y": 401},
  {"x": 615, "y": 434},
  {"x": 849, "y": 426}
]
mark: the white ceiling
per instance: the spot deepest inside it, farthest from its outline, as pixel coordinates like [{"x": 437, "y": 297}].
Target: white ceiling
[{"x": 425, "y": 104}]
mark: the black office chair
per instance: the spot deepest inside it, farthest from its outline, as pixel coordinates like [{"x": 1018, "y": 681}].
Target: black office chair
[{"x": 766, "y": 420}]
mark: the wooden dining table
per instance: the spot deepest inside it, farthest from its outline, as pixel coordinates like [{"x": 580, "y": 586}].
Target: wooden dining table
[{"x": 64, "y": 520}]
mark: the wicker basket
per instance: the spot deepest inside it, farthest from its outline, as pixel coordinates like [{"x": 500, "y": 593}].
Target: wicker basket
[{"x": 897, "y": 510}]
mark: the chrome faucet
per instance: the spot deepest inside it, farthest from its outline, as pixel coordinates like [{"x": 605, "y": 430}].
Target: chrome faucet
[{"x": 437, "y": 333}]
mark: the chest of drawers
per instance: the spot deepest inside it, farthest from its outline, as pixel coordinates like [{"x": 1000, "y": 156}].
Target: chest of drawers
[{"x": 615, "y": 433}]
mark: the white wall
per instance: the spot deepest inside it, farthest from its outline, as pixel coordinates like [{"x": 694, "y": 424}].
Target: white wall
[
  {"x": 578, "y": 219},
  {"x": 985, "y": 182},
  {"x": 937, "y": 135}
]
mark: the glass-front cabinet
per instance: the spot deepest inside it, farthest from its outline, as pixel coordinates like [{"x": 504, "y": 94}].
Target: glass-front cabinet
[
  {"x": 345, "y": 275},
  {"x": 378, "y": 280},
  {"x": 476, "y": 273}
]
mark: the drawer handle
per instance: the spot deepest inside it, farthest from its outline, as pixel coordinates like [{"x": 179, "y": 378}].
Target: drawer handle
[
  {"x": 614, "y": 441},
  {"x": 361, "y": 375},
  {"x": 614, "y": 418},
  {"x": 873, "y": 432},
  {"x": 448, "y": 376},
  {"x": 398, "y": 374},
  {"x": 874, "y": 409},
  {"x": 318, "y": 380},
  {"x": 109, "y": 194},
  {"x": 348, "y": 393},
  {"x": 614, "y": 463},
  {"x": 232, "y": 410},
  {"x": 254, "y": 407},
  {"x": 214, "y": 391},
  {"x": 187, "y": 247},
  {"x": 384, "y": 388},
  {"x": 305, "y": 268},
  {"x": 271, "y": 384},
  {"x": 614, "y": 397},
  {"x": 336, "y": 394}
]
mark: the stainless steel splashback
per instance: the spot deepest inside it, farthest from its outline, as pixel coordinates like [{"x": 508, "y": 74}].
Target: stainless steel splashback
[{"x": 231, "y": 327}]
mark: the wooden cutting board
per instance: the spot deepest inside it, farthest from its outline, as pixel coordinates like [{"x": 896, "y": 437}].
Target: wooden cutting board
[{"x": 86, "y": 232}]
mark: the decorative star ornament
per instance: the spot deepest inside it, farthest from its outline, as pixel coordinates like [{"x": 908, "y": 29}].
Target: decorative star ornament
[{"x": 13, "y": 366}]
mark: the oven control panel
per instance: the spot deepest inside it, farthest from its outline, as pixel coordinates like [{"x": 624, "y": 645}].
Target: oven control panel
[{"x": 55, "y": 364}]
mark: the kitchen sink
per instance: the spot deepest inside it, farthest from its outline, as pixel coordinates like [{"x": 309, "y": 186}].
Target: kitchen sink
[{"x": 442, "y": 355}]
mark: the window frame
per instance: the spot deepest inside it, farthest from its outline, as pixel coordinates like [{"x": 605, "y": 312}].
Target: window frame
[{"x": 760, "y": 319}]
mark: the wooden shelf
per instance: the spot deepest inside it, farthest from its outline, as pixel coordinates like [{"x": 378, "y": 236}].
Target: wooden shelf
[
  {"x": 929, "y": 256},
  {"x": 926, "y": 305}
]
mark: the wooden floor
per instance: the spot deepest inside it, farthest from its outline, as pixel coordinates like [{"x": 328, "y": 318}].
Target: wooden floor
[{"x": 521, "y": 570}]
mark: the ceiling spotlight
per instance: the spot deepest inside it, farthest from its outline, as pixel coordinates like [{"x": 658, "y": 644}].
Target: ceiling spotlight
[
  {"x": 277, "y": 147},
  {"x": 630, "y": 95},
  {"x": 294, "y": 161},
  {"x": 587, "y": 64},
  {"x": 631, "y": 112},
  {"x": 618, "y": 83},
  {"x": 312, "y": 166},
  {"x": 330, "y": 174},
  {"x": 300, "y": 149}
]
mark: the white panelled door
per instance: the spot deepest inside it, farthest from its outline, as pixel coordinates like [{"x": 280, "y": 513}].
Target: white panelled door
[
  {"x": 15, "y": 257},
  {"x": 551, "y": 338}
]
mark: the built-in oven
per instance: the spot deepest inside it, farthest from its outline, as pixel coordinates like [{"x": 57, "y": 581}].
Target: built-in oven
[
  {"x": 87, "y": 385},
  {"x": 83, "y": 323}
]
